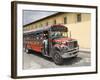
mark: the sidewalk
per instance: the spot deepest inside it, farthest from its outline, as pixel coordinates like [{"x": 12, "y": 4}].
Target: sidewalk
[{"x": 85, "y": 50}]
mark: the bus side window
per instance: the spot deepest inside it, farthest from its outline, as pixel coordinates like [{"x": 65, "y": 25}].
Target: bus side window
[
  {"x": 35, "y": 40},
  {"x": 38, "y": 40},
  {"x": 41, "y": 38}
]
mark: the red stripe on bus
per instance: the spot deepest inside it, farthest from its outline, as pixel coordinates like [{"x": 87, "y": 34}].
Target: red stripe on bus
[{"x": 34, "y": 47}]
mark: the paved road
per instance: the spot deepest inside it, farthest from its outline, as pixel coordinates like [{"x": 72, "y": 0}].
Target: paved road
[{"x": 36, "y": 61}]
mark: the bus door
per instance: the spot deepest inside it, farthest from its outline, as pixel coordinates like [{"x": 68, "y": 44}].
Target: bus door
[{"x": 46, "y": 43}]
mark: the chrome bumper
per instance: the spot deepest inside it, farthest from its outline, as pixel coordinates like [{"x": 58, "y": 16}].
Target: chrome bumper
[{"x": 70, "y": 53}]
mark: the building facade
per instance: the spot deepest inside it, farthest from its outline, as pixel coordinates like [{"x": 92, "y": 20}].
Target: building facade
[{"x": 79, "y": 24}]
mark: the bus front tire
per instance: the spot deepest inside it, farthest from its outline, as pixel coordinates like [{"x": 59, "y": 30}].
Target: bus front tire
[
  {"x": 57, "y": 58},
  {"x": 75, "y": 56}
]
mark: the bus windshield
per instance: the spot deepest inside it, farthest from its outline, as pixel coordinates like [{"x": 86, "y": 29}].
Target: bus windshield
[{"x": 58, "y": 34}]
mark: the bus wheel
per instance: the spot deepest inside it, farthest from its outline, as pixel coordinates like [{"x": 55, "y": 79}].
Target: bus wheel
[
  {"x": 28, "y": 51},
  {"x": 57, "y": 58},
  {"x": 42, "y": 52}
]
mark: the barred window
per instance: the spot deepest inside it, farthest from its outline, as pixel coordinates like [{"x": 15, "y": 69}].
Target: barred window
[
  {"x": 78, "y": 17},
  {"x": 65, "y": 20},
  {"x": 41, "y": 25},
  {"x": 35, "y": 26},
  {"x": 46, "y": 23},
  {"x": 55, "y": 22}
]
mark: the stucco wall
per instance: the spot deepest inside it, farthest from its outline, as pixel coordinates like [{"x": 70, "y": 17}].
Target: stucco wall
[{"x": 79, "y": 30}]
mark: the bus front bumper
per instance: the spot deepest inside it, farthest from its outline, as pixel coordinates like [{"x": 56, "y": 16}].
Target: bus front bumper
[{"x": 70, "y": 53}]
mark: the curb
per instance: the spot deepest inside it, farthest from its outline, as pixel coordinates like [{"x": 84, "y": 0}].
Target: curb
[{"x": 85, "y": 50}]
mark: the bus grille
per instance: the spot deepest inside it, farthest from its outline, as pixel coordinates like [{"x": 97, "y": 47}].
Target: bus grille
[{"x": 72, "y": 44}]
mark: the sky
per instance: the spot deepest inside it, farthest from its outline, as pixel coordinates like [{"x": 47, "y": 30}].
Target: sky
[{"x": 31, "y": 16}]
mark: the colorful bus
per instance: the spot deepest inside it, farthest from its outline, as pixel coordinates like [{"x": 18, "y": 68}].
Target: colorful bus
[{"x": 51, "y": 41}]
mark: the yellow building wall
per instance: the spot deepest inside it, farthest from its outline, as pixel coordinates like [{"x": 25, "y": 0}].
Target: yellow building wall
[{"x": 79, "y": 30}]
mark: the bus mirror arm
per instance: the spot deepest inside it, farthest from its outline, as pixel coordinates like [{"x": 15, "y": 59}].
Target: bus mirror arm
[{"x": 70, "y": 34}]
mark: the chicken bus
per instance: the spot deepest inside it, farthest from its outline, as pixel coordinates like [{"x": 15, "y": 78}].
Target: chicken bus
[{"x": 51, "y": 41}]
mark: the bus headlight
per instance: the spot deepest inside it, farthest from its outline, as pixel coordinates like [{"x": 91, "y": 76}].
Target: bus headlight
[{"x": 64, "y": 42}]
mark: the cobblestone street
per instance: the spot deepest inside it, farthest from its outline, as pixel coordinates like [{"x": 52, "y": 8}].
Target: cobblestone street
[{"x": 36, "y": 61}]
